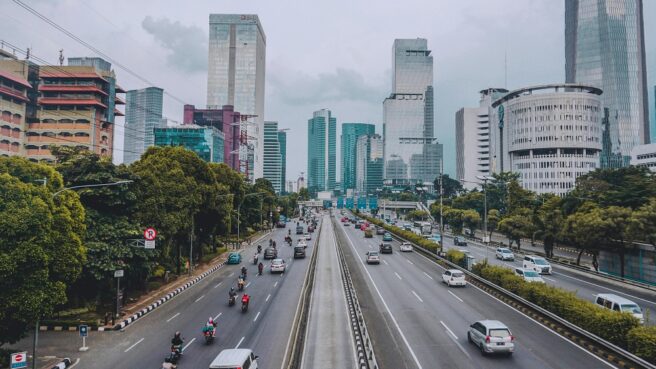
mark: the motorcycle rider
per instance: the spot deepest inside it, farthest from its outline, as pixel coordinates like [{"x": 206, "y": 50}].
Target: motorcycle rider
[
  {"x": 240, "y": 283},
  {"x": 176, "y": 342},
  {"x": 243, "y": 272},
  {"x": 259, "y": 249},
  {"x": 209, "y": 326},
  {"x": 260, "y": 267},
  {"x": 245, "y": 300},
  {"x": 255, "y": 258},
  {"x": 168, "y": 364}
]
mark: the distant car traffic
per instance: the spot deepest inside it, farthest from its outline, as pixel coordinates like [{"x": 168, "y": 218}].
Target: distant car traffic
[
  {"x": 491, "y": 336},
  {"x": 380, "y": 231},
  {"x": 537, "y": 263},
  {"x": 385, "y": 248},
  {"x": 454, "y": 277},
  {"x": 299, "y": 229},
  {"x": 373, "y": 257},
  {"x": 368, "y": 233},
  {"x": 234, "y": 258},
  {"x": 504, "y": 253},
  {"x": 405, "y": 247},
  {"x": 299, "y": 252},
  {"x": 459, "y": 241},
  {"x": 281, "y": 224},
  {"x": 347, "y": 224},
  {"x": 277, "y": 266},
  {"x": 302, "y": 243}
]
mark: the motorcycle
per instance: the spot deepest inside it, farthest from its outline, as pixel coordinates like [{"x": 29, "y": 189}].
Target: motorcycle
[
  {"x": 259, "y": 249},
  {"x": 240, "y": 285},
  {"x": 231, "y": 300},
  {"x": 259, "y": 269},
  {"x": 176, "y": 354},
  {"x": 244, "y": 306},
  {"x": 255, "y": 259},
  {"x": 209, "y": 334}
]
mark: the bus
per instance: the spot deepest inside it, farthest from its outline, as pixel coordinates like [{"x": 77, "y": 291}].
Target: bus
[{"x": 423, "y": 227}]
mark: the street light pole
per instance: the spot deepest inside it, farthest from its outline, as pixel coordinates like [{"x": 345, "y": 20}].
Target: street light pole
[{"x": 441, "y": 206}]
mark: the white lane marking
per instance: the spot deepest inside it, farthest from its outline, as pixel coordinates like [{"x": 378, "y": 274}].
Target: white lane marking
[
  {"x": 448, "y": 330},
  {"x": 426, "y": 274},
  {"x": 454, "y": 295},
  {"x": 239, "y": 343},
  {"x": 549, "y": 279},
  {"x": 231, "y": 274},
  {"x": 371, "y": 247},
  {"x": 409, "y": 261},
  {"x": 396, "y": 324},
  {"x": 256, "y": 316},
  {"x": 131, "y": 347},
  {"x": 200, "y": 298},
  {"x": 220, "y": 283},
  {"x": 606, "y": 288},
  {"x": 217, "y": 317},
  {"x": 385, "y": 261},
  {"x": 187, "y": 345},
  {"x": 398, "y": 276},
  {"x": 275, "y": 284},
  {"x": 248, "y": 284},
  {"x": 171, "y": 318},
  {"x": 267, "y": 299},
  {"x": 75, "y": 363},
  {"x": 417, "y": 296}
]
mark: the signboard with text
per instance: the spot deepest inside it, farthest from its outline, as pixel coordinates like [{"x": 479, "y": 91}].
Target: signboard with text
[{"x": 19, "y": 360}]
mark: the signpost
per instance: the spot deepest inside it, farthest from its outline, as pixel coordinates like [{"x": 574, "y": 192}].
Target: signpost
[
  {"x": 118, "y": 274},
  {"x": 19, "y": 360},
  {"x": 84, "y": 332},
  {"x": 150, "y": 234},
  {"x": 148, "y": 244}
]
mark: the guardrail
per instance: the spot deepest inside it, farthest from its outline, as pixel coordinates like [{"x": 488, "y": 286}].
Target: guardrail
[
  {"x": 294, "y": 351},
  {"x": 583, "y": 338},
  {"x": 363, "y": 345}
]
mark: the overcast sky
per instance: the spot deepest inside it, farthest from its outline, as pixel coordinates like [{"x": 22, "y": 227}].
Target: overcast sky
[{"x": 332, "y": 54}]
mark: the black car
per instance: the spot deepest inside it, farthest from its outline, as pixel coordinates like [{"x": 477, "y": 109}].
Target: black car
[
  {"x": 385, "y": 248},
  {"x": 281, "y": 224},
  {"x": 459, "y": 241},
  {"x": 299, "y": 230},
  {"x": 299, "y": 252},
  {"x": 270, "y": 253}
]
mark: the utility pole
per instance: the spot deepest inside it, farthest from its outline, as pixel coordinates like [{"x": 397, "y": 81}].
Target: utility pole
[
  {"x": 441, "y": 205},
  {"x": 191, "y": 246}
]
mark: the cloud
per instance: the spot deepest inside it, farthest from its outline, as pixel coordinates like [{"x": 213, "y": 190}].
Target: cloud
[{"x": 187, "y": 45}]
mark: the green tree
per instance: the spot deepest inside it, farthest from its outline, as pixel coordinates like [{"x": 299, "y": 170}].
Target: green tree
[
  {"x": 472, "y": 200},
  {"x": 471, "y": 219},
  {"x": 417, "y": 215},
  {"x": 493, "y": 219},
  {"x": 586, "y": 229},
  {"x": 549, "y": 223},
  {"x": 517, "y": 226},
  {"x": 455, "y": 218},
  {"x": 450, "y": 187},
  {"x": 303, "y": 194},
  {"x": 645, "y": 221},
  {"x": 627, "y": 187}
]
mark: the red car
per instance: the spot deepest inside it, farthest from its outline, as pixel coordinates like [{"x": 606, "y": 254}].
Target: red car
[{"x": 345, "y": 219}]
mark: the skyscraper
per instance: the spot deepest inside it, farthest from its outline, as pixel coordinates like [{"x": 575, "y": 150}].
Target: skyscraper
[
  {"x": 272, "y": 156},
  {"x": 369, "y": 164},
  {"x": 322, "y": 148},
  {"x": 235, "y": 76},
  {"x": 605, "y": 48},
  {"x": 350, "y": 134},
  {"x": 143, "y": 113},
  {"x": 412, "y": 153},
  {"x": 282, "y": 140}
]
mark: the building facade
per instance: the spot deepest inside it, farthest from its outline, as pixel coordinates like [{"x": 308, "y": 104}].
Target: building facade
[
  {"x": 282, "y": 141},
  {"x": 644, "y": 156},
  {"x": 14, "y": 103},
  {"x": 236, "y": 73},
  {"x": 322, "y": 151},
  {"x": 350, "y": 134},
  {"x": 207, "y": 142},
  {"x": 369, "y": 164},
  {"x": 412, "y": 153},
  {"x": 605, "y": 48},
  {"x": 549, "y": 134},
  {"x": 143, "y": 113},
  {"x": 272, "y": 156},
  {"x": 226, "y": 120}
]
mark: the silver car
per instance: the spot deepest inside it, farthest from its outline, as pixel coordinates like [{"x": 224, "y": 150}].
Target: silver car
[{"x": 491, "y": 337}]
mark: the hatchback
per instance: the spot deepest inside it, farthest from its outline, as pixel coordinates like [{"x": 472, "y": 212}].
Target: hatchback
[
  {"x": 387, "y": 237},
  {"x": 373, "y": 257},
  {"x": 405, "y": 247},
  {"x": 234, "y": 258},
  {"x": 270, "y": 253},
  {"x": 491, "y": 336},
  {"x": 278, "y": 266},
  {"x": 454, "y": 277},
  {"x": 504, "y": 253}
]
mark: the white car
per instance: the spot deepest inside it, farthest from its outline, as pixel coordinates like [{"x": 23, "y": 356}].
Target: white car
[
  {"x": 529, "y": 275},
  {"x": 454, "y": 277},
  {"x": 504, "y": 253},
  {"x": 278, "y": 266},
  {"x": 373, "y": 257},
  {"x": 307, "y": 236},
  {"x": 406, "y": 247},
  {"x": 537, "y": 263},
  {"x": 302, "y": 243}
]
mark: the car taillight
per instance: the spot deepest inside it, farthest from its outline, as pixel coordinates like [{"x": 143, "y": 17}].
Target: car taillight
[
  {"x": 512, "y": 338},
  {"x": 487, "y": 339}
]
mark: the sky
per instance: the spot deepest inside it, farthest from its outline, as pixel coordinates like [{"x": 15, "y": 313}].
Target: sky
[{"x": 333, "y": 54}]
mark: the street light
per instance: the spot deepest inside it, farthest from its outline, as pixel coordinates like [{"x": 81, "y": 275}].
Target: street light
[{"x": 91, "y": 185}]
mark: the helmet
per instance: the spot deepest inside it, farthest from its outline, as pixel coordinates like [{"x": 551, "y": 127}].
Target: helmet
[{"x": 177, "y": 333}]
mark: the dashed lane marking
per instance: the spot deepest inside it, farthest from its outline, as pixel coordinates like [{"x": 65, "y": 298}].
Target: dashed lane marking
[
  {"x": 239, "y": 343},
  {"x": 131, "y": 347},
  {"x": 171, "y": 318},
  {"x": 398, "y": 276},
  {"x": 190, "y": 342},
  {"x": 427, "y": 275},
  {"x": 217, "y": 317},
  {"x": 417, "y": 296},
  {"x": 267, "y": 299},
  {"x": 220, "y": 283},
  {"x": 454, "y": 295},
  {"x": 200, "y": 298},
  {"x": 256, "y": 316},
  {"x": 448, "y": 330}
]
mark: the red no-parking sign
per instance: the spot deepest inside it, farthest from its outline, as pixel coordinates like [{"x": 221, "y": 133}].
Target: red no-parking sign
[
  {"x": 19, "y": 360},
  {"x": 150, "y": 234}
]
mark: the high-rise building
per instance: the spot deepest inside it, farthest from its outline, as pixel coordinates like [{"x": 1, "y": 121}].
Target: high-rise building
[
  {"x": 282, "y": 140},
  {"x": 17, "y": 102},
  {"x": 322, "y": 148},
  {"x": 644, "y": 156},
  {"x": 549, "y": 134},
  {"x": 207, "y": 141},
  {"x": 369, "y": 164},
  {"x": 272, "y": 156},
  {"x": 412, "y": 153},
  {"x": 350, "y": 134},
  {"x": 226, "y": 120},
  {"x": 143, "y": 113},
  {"x": 473, "y": 139},
  {"x": 605, "y": 48},
  {"x": 236, "y": 71}
]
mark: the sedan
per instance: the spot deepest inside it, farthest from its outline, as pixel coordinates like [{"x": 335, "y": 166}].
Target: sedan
[
  {"x": 277, "y": 266},
  {"x": 387, "y": 237},
  {"x": 454, "y": 277},
  {"x": 491, "y": 336},
  {"x": 459, "y": 241},
  {"x": 504, "y": 253},
  {"x": 270, "y": 253},
  {"x": 529, "y": 275},
  {"x": 373, "y": 257},
  {"x": 307, "y": 236},
  {"x": 380, "y": 231},
  {"x": 347, "y": 224},
  {"x": 406, "y": 247},
  {"x": 234, "y": 258}
]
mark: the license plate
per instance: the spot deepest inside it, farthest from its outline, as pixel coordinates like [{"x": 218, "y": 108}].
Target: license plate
[{"x": 500, "y": 343}]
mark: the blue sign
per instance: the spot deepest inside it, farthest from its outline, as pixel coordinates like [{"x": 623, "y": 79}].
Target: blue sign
[
  {"x": 362, "y": 202},
  {"x": 373, "y": 203},
  {"x": 84, "y": 330},
  {"x": 340, "y": 202},
  {"x": 349, "y": 203}
]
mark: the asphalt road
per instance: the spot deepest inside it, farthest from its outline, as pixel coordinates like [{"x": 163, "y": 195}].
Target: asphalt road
[
  {"x": 428, "y": 321},
  {"x": 264, "y": 328}
]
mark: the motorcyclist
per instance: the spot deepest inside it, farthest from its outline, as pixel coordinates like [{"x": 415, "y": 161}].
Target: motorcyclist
[
  {"x": 259, "y": 249},
  {"x": 240, "y": 283},
  {"x": 255, "y": 258},
  {"x": 243, "y": 272},
  {"x": 260, "y": 267},
  {"x": 176, "y": 342},
  {"x": 289, "y": 232},
  {"x": 209, "y": 327},
  {"x": 274, "y": 244},
  {"x": 270, "y": 242}
]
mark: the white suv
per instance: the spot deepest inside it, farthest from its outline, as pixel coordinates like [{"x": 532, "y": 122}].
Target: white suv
[
  {"x": 529, "y": 275},
  {"x": 537, "y": 263}
]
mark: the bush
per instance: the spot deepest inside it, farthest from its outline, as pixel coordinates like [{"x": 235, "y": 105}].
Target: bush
[
  {"x": 159, "y": 271},
  {"x": 154, "y": 285},
  {"x": 456, "y": 257},
  {"x": 69, "y": 323},
  {"x": 642, "y": 342}
]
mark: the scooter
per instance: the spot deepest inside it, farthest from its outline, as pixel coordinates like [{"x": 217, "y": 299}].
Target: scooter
[
  {"x": 244, "y": 307},
  {"x": 176, "y": 354},
  {"x": 231, "y": 300},
  {"x": 209, "y": 335},
  {"x": 255, "y": 260}
]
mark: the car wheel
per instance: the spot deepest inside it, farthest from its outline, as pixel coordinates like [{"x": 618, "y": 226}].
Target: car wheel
[
  {"x": 482, "y": 349},
  {"x": 469, "y": 338}
]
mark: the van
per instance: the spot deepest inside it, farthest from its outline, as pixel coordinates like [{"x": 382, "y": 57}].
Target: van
[
  {"x": 235, "y": 358},
  {"x": 537, "y": 263},
  {"x": 620, "y": 304}
]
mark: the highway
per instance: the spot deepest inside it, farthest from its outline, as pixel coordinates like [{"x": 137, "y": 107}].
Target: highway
[{"x": 423, "y": 324}]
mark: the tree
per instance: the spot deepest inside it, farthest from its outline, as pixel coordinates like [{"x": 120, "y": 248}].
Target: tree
[
  {"x": 549, "y": 222},
  {"x": 645, "y": 221},
  {"x": 450, "y": 187},
  {"x": 471, "y": 219},
  {"x": 493, "y": 219},
  {"x": 455, "y": 219},
  {"x": 627, "y": 187},
  {"x": 517, "y": 226},
  {"x": 586, "y": 229},
  {"x": 472, "y": 200},
  {"x": 619, "y": 221},
  {"x": 303, "y": 194},
  {"x": 417, "y": 215}
]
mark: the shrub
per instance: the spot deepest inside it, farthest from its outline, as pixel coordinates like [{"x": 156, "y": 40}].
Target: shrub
[
  {"x": 154, "y": 285},
  {"x": 159, "y": 271},
  {"x": 642, "y": 342},
  {"x": 455, "y": 256}
]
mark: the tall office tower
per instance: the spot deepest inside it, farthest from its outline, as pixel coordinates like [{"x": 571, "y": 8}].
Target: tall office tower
[
  {"x": 473, "y": 139},
  {"x": 369, "y": 164},
  {"x": 412, "y": 153},
  {"x": 282, "y": 140},
  {"x": 272, "y": 156},
  {"x": 235, "y": 76},
  {"x": 322, "y": 148},
  {"x": 143, "y": 113},
  {"x": 605, "y": 48},
  {"x": 350, "y": 134},
  {"x": 206, "y": 141}
]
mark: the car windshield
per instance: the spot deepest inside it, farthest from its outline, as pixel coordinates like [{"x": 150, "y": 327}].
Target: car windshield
[
  {"x": 499, "y": 333},
  {"x": 631, "y": 308},
  {"x": 458, "y": 274},
  {"x": 530, "y": 273},
  {"x": 541, "y": 262},
  {"x": 276, "y": 262},
  {"x": 373, "y": 253},
  {"x": 506, "y": 251}
]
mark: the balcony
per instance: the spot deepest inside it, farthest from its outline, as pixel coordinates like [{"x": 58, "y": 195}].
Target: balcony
[{"x": 60, "y": 126}]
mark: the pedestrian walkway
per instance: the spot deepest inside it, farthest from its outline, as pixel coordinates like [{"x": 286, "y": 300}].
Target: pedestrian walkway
[{"x": 329, "y": 341}]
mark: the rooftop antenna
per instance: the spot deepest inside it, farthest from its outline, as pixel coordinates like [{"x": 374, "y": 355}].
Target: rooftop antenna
[
  {"x": 505, "y": 68},
  {"x": 61, "y": 57}
]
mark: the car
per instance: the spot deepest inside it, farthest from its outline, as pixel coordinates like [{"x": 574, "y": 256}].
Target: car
[
  {"x": 310, "y": 229},
  {"x": 619, "y": 304},
  {"x": 537, "y": 263},
  {"x": 299, "y": 229},
  {"x": 270, "y": 253},
  {"x": 380, "y": 231},
  {"x": 344, "y": 219},
  {"x": 504, "y": 253},
  {"x": 368, "y": 233},
  {"x": 347, "y": 224},
  {"x": 281, "y": 224},
  {"x": 385, "y": 248},
  {"x": 454, "y": 277},
  {"x": 234, "y": 258},
  {"x": 299, "y": 252},
  {"x": 491, "y": 337},
  {"x": 234, "y": 358},
  {"x": 405, "y": 247},
  {"x": 307, "y": 236},
  {"x": 277, "y": 266},
  {"x": 387, "y": 237},
  {"x": 373, "y": 257},
  {"x": 529, "y": 275},
  {"x": 364, "y": 227},
  {"x": 459, "y": 241},
  {"x": 302, "y": 243}
]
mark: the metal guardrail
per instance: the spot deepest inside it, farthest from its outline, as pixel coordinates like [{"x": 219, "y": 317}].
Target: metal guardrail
[
  {"x": 574, "y": 333},
  {"x": 363, "y": 345}
]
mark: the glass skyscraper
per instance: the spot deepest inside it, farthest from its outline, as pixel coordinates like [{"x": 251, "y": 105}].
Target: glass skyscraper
[
  {"x": 207, "y": 142},
  {"x": 143, "y": 113},
  {"x": 235, "y": 76},
  {"x": 605, "y": 48},
  {"x": 322, "y": 149},
  {"x": 272, "y": 156},
  {"x": 350, "y": 134},
  {"x": 412, "y": 153},
  {"x": 369, "y": 164}
]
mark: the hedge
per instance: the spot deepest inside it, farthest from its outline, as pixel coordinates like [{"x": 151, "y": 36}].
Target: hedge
[
  {"x": 642, "y": 342},
  {"x": 456, "y": 257}
]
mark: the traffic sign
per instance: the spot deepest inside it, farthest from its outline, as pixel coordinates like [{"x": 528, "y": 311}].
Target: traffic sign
[
  {"x": 19, "y": 360},
  {"x": 84, "y": 330},
  {"x": 149, "y": 244},
  {"x": 150, "y": 234},
  {"x": 118, "y": 273}
]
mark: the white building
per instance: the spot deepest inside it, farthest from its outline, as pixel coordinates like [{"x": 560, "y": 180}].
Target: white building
[
  {"x": 272, "y": 156},
  {"x": 644, "y": 156},
  {"x": 473, "y": 139},
  {"x": 549, "y": 134}
]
